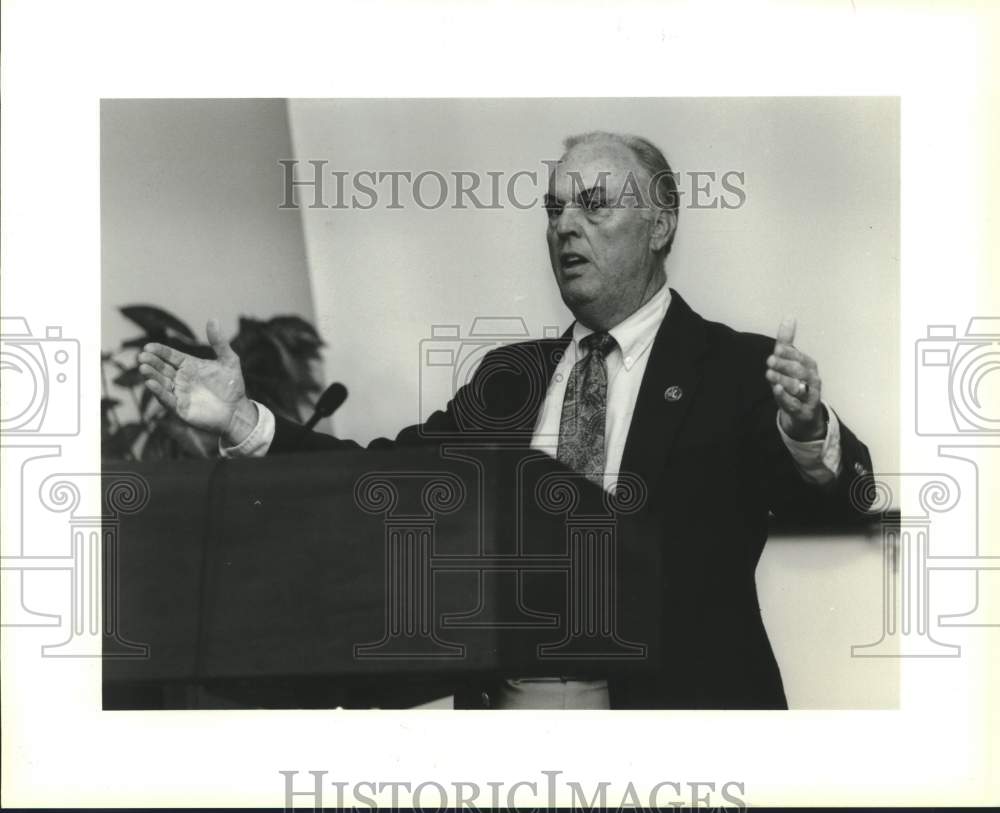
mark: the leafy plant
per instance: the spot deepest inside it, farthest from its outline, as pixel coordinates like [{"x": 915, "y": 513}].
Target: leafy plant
[
  {"x": 281, "y": 367},
  {"x": 281, "y": 363}
]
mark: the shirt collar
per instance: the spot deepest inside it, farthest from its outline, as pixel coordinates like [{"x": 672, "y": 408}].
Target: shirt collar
[{"x": 634, "y": 334}]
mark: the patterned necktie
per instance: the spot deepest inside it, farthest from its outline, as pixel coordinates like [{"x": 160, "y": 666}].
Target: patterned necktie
[{"x": 585, "y": 405}]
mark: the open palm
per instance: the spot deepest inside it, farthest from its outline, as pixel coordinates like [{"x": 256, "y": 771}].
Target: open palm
[{"x": 205, "y": 393}]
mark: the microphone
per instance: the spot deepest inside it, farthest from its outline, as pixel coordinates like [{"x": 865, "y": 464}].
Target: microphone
[{"x": 328, "y": 403}]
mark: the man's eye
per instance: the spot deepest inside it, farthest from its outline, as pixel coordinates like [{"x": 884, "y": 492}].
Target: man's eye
[
  {"x": 593, "y": 204},
  {"x": 553, "y": 210}
]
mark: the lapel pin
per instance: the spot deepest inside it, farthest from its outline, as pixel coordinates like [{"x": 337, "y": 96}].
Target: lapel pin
[{"x": 673, "y": 393}]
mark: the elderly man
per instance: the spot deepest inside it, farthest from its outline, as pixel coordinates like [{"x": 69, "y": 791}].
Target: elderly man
[{"x": 723, "y": 427}]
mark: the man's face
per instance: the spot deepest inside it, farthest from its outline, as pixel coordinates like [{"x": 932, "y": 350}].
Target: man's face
[{"x": 602, "y": 233}]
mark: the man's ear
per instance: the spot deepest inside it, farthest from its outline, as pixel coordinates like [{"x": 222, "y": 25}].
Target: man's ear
[{"x": 664, "y": 224}]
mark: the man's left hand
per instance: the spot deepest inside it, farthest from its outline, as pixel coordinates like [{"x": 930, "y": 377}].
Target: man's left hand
[{"x": 795, "y": 382}]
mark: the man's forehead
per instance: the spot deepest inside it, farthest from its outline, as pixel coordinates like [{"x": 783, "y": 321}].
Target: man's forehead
[{"x": 594, "y": 162}]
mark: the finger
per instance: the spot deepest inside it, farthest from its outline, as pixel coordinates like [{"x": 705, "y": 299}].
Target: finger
[
  {"x": 787, "y": 402},
  {"x": 786, "y": 331},
  {"x": 790, "y": 351},
  {"x": 223, "y": 351},
  {"x": 158, "y": 364},
  {"x": 168, "y": 399},
  {"x": 793, "y": 369},
  {"x": 795, "y": 386},
  {"x": 168, "y": 354},
  {"x": 151, "y": 374}
]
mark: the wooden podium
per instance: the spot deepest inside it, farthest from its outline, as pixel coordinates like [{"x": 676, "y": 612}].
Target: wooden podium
[{"x": 371, "y": 578}]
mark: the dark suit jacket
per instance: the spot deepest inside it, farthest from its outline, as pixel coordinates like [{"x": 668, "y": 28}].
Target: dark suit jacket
[{"x": 715, "y": 467}]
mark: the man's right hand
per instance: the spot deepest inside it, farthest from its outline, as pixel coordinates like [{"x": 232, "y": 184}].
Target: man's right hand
[{"x": 208, "y": 394}]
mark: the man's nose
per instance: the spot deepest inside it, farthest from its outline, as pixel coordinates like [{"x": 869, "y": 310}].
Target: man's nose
[{"x": 568, "y": 221}]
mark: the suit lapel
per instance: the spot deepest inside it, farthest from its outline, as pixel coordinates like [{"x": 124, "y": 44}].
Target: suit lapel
[
  {"x": 667, "y": 392},
  {"x": 539, "y": 370}
]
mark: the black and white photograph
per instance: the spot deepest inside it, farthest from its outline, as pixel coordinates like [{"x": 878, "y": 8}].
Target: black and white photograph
[
  {"x": 497, "y": 406},
  {"x": 383, "y": 319}
]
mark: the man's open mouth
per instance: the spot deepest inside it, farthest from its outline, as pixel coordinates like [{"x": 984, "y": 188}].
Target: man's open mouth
[{"x": 570, "y": 259}]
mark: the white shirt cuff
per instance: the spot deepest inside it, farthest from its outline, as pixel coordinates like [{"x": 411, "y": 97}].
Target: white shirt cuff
[
  {"x": 258, "y": 441},
  {"x": 818, "y": 461}
]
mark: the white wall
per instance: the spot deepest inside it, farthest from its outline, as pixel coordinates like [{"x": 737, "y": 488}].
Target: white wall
[
  {"x": 818, "y": 238},
  {"x": 190, "y": 190}
]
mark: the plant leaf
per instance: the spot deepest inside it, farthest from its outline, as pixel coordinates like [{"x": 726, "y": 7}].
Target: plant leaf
[
  {"x": 201, "y": 351},
  {"x": 295, "y": 333},
  {"x": 130, "y": 378},
  {"x": 144, "y": 399},
  {"x": 156, "y": 321}
]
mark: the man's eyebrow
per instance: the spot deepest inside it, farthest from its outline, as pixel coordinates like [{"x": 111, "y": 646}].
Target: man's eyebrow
[
  {"x": 582, "y": 196},
  {"x": 588, "y": 194}
]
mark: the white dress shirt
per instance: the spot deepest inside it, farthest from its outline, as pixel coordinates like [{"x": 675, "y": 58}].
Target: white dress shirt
[{"x": 817, "y": 461}]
